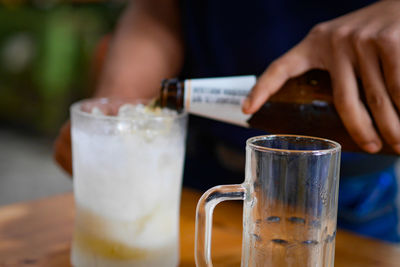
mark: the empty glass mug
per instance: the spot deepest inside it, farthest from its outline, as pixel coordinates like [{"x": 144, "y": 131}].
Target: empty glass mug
[{"x": 290, "y": 198}]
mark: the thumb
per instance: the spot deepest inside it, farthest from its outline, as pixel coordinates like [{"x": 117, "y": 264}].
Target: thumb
[{"x": 291, "y": 64}]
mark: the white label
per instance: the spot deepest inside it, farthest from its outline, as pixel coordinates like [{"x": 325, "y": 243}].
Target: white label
[{"x": 219, "y": 98}]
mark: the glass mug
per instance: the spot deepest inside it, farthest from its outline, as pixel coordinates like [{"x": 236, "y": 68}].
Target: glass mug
[
  {"x": 127, "y": 167},
  {"x": 290, "y": 198}
]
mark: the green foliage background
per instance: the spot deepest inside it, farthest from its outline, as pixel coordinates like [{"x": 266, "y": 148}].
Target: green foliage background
[{"x": 46, "y": 56}]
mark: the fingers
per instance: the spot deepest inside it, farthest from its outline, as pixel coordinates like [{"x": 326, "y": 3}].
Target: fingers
[
  {"x": 351, "y": 110},
  {"x": 377, "y": 96},
  {"x": 292, "y": 64},
  {"x": 389, "y": 53},
  {"x": 62, "y": 148}
]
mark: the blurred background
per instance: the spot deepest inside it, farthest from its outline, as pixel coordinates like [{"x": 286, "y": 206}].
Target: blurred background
[{"x": 49, "y": 51}]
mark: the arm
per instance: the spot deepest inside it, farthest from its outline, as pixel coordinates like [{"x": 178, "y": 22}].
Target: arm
[
  {"x": 364, "y": 43},
  {"x": 146, "y": 48}
]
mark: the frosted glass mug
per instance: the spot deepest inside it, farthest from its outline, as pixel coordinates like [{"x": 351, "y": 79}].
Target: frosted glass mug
[
  {"x": 128, "y": 165},
  {"x": 290, "y": 198}
]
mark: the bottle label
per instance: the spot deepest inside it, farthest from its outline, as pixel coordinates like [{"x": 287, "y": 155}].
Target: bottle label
[{"x": 219, "y": 98}]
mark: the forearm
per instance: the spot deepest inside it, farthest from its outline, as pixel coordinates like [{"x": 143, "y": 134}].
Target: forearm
[{"x": 146, "y": 48}]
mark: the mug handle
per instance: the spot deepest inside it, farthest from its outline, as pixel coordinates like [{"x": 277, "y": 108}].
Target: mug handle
[{"x": 204, "y": 213}]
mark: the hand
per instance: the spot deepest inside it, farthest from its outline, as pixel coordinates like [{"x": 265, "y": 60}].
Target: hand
[
  {"x": 62, "y": 148},
  {"x": 364, "y": 43}
]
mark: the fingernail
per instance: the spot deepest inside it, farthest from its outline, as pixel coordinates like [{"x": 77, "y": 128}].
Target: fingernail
[
  {"x": 246, "y": 104},
  {"x": 397, "y": 148},
  {"x": 372, "y": 147}
]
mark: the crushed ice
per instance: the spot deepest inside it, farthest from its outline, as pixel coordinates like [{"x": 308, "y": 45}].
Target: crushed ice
[
  {"x": 97, "y": 111},
  {"x": 146, "y": 120}
]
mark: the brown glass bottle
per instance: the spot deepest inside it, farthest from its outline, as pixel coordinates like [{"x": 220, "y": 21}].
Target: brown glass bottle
[{"x": 303, "y": 106}]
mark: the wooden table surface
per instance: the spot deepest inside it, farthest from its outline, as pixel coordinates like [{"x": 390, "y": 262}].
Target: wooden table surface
[{"x": 39, "y": 233}]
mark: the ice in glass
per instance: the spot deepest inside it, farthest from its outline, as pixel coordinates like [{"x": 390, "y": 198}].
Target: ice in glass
[{"x": 127, "y": 166}]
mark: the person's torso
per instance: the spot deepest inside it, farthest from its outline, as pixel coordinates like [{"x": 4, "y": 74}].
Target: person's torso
[{"x": 234, "y": 37}]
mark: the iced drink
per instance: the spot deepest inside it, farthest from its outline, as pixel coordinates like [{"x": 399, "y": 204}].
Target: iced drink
[{"x": 127, "y": 168}]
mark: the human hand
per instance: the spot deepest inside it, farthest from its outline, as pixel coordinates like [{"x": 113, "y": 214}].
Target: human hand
[
  {"x": 62, "y": 148},
  {"x": 364, "y": 43}
]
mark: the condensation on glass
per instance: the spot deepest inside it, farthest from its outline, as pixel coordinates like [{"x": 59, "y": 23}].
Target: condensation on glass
[{"x": 127, "y": 168}]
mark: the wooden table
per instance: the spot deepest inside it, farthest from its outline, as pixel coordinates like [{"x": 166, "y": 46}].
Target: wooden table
[{"x": 39, "y": 233}]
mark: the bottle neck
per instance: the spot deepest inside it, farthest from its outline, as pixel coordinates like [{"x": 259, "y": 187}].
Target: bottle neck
[{"x": 172, "y": 94}]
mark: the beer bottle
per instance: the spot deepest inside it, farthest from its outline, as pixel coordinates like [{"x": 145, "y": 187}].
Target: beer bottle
[{"x": 303, "y": 106}]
